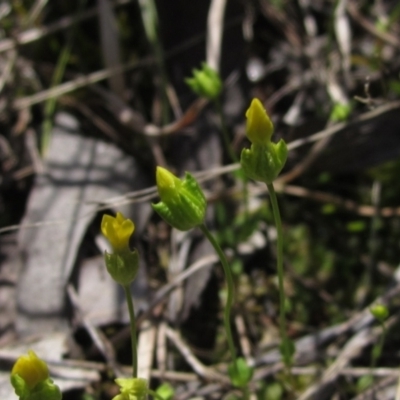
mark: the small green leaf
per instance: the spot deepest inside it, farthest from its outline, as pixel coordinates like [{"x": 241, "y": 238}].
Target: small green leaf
[
  {"x": 328, "y": 209},
  {"x": 364, "y": 382},
  {"x": 356, "y": 226},
  {"x": 166, "y": 391},
  {"x": 287, "y": 350},
  {"x": 241, "y": 374},
  {"x": 340, "y": 112}
]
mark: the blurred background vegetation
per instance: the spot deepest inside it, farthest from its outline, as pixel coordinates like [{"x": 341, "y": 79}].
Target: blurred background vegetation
[{"x": 328, "y": 74}]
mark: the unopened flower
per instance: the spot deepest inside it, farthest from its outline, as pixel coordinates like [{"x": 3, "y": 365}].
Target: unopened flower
[
  {"x": 205, "y": 82},
  {"x": 259, "y": 126},
  {"x": 183, "y": 204},
  {"x": 265, "y": 159}
]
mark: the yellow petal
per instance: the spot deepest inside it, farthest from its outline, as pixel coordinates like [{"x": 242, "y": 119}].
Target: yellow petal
[
  {"x": 126, "y": 229},
  {"x": 117, "y": 230},
  {"x": 120, "y": 218}
]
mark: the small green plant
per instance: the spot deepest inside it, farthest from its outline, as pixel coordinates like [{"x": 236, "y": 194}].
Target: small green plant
[
  {"x": 183, "y": 206},
  {"x": 122, "y": 264},
  {"x": 30, "y": 375},
  {"x": 380, "y": 313},
  {"x": 263, "y": 162}
]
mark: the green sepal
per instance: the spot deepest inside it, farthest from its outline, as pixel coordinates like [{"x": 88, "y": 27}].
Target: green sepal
[
  {"x": 45, "y": 390},
  {"x": 241, "y": 374},
  {"x": 122, "y": 266},
  {"x": 20, "y": 387},
  {"x": 185, "y": 208},
  {"x": 264, "y": 162}
]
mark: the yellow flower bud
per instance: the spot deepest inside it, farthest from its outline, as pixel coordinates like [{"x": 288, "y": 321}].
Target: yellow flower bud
[
  {"x": 117, "y": 230},
  {"x": 168, "y": 184},
  {"x": 183, "y": 204},
  {"x": 31, "y": 369},
  {"x": 265, "y": 159},
  {"x": 259, "y": 127}
]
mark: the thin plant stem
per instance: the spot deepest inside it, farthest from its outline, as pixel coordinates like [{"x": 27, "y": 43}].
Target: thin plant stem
[
  {"x": 231, "y": 290},
  {"x": 377, "y": 349},
  {"x": 282, "y": 316},
  {"x": 57, "y": 77},
  {"x": 232, "y": 155},
  {"x": 150, "y": 22},
  {"x": 133, "y": 330},
  {"x": 224, "y": 130}
]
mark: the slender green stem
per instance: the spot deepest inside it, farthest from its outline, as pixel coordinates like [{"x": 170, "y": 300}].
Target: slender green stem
[
  {"x": 377, "y": 349},
  {"x": 155, "y": 394},
  {"x": 231, "y": 290},
  {"x": 377, "y": 352},
  {"x": 224, "y": 130},
  {"x": 282, "y": 316},
  {"x": 133, "y": 330},
  {"x": 232, "y": 155}
]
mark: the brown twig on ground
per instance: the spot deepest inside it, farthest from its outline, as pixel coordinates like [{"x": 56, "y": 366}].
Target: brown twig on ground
[{"x": 192, "y": 360}]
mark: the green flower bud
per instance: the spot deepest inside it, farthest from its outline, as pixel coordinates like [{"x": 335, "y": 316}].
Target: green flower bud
[
  {"x": 183, "y": 204},
  {"x": 205, "y": 82},
  {"x": 30, "y": 379},
  {"x": 122, "y": 264},
  {"x": 380, "y": 312},
  {"x": 131, "y": 389},
  {"x": 265, "y": 159}
]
